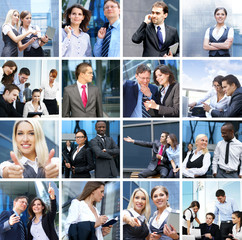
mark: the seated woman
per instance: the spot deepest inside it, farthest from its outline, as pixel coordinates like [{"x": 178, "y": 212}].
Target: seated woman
[
  {"x": 35, "y": 108},
  {"x": 219, "y": 38},
  {"x": 41, "y": 223},
  {"x": 237, "y": 228},
  {"x": 31, "y": 158},
  {"x": 84, "y": 216},
  {"x": 168, "y": 100},
  {"x": 196, "y": 164},
  {"x": 136, "y": 215}
]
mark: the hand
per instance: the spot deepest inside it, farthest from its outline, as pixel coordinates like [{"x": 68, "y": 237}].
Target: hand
[
  {"x": 208, "y": 235},
  {"x": 106, "y": 230},
  {"x": 192, "y": 105},
  {"x": 175, "y": 170},
  {"x": 44, "y": 39},
  {"x": 36, "y": 116},
  {"x": 128, "y": 139},
  {"x": 154, "y": 235},
  {"x": 158, "y": 156},
  {"x": 51, "y": 191},
  {"x": 170, "y": 232},
  {"x": 145, "y": 90},
  {"x": 51, "y": 169},
  {"x": 15, "y": 170},
  {"x": 148, "y": 18},
  {"x": 68, "y": 165},
  {"x": 104, "y": 150},
  {"x": 206, "y": 107},
  {"x": 215, "y": 175},
  {"x": 73, "y": 169},
  {"x": 169, "y": 54},
  {"x": 134, "y": 222},
  {"x": 101, "y": 220},
  {"x": 33, "y": 31},
  {"x": 32, "y": 40},
  {"x": 13, "y": 219},
  {"x": 101, "y": 33},
  {"x": 240, "y": 176},
  {"x": 150, "y": 104},
  {"x": 68, "y": 31}
]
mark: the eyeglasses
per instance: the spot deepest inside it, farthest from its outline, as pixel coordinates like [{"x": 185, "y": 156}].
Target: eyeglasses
[
  {"x": 111, "y": 7},
  {"x": 80, "y": 137},
  {"x": 23, "y": 202},
  {"x": 143, "y": 78}
]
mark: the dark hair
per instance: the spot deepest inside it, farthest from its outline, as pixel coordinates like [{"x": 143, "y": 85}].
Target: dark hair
[
  {"x": 218, "y": 79},
  {"x": 114, "y": 1},
  {"x": 27, "y": 84},
  {"x": 230, "y": 79},
  {"x": 23, "y": 14},
  {"x": 81, "y": 68},
  {"x": 53, "y": 72},
  {"x": 10, "y": 88},
  {"x": 220, "y": 193},
  {"x": 173, "y": 139},
  {"x": 30, "y": 208},
  {"x": 161, "y": 4},
  {"x": 190, "y": 144},
  {"x": 83, "y": 25},
  {"x": 163, "y": 189},
  {"x": 166, "y": 133},
  {"x": 193, "y": 204},
  {"x": 85, "y": 135},
  {"x": 229, "y": 125},
  {"x": 8, "y": 79},
  {"x": 100, "y": 121},
  {"x": 20, "y": 197},
  {"x": 238, "y": 214},
  {"x": 211, "y": 214},
  {"x": 165, "y": 70},
  {"x": 36, "y": 90},
  {"x": 220, "y": 8},
  {"x": 89, "y": 188},
  {"x": 24, "y": 71},
  {"x": 142, "y": 68}
]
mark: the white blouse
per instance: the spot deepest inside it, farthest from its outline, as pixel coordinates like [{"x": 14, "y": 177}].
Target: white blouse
[
  {"x": 29, "y": 107},
  {"x": 158, "y": 222},
  {"x": 50, "y": 92},
  {"x": 237, "y": 235},
  {"x": 188, "y": 216}
]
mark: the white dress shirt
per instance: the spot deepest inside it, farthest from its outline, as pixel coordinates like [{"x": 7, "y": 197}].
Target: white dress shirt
[
  {"x": 79, "y": 85},
  {"x": 237, "y": 235},
  {"x": 29, "y": 107},
  {"x": 235, "y": 156},
  {"x": 218, "y": 34},
  {"x": 188, "y": 214},
  {"x": 77, "y": 151},
  {"x": 50, "y": 92}
]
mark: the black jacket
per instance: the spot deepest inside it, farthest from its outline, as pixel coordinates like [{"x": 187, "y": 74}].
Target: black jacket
[
  {"x": 7, "y": 109},
  {"x": 214, "y": 230}
]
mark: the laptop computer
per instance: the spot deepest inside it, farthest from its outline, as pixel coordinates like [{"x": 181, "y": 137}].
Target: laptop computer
[
  {"x": 196, "y": 232},
  {"x": 188, "y": 237}
]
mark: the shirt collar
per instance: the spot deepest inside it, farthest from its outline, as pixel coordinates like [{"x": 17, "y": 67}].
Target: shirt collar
[
  {"x": 224, "y": 26},
  {"x": 17, "y": 214},
  {"x": 141, "y": 217},
  {"x": 40, "y": 219},
  {"x": 25, "y": 160},
  {"x": 101, "y": 135},
  {"x": 115, "y": 24},
  {"x": 80, "y": 85},
  {"x": 162, "y": 26}
]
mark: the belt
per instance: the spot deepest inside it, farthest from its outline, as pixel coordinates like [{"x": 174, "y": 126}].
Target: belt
[
  {"x": 228, "y": 172},
  {"x": 230, "y": 221}
]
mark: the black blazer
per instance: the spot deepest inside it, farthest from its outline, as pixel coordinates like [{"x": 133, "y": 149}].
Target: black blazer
[
  {"x": 67, "y": 154},
  {"x": 82, "y": 164},
  {"x": 214, "y": 230},
  {"x": 7, "y": 109},
  {"x": 146, "y": 33},
  {"x": 47, "y": 223}
]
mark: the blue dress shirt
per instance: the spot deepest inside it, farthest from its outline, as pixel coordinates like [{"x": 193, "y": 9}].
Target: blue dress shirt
[{"x": 174, "y": 155}]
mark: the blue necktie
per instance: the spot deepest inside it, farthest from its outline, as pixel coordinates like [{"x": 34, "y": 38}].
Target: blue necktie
[
  {"x": 106, "y": 42},
  {"x": 160, "y": 38},
  {"x": 22, "y": 230},
  {"x": 145, "y": 114}
]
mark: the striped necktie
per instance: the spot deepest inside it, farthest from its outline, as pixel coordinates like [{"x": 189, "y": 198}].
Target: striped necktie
[
  {"x": 145, "y": 114},
  {"x": 106, "y": 42},
  {"x": 22, "y": 230}
]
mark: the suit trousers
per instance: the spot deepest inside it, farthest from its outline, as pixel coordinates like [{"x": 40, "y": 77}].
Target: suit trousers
[
  {"x": 225, "y": 229},
  {"x": 163, "y": 171},
  {"x": 222, "y": 174}
]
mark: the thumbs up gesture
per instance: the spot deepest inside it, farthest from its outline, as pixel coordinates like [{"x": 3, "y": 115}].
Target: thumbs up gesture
[
  {"x": 14, "y": 170},
  {"x": 51, "y": 192},
  {"x": 51, "y": 169}
]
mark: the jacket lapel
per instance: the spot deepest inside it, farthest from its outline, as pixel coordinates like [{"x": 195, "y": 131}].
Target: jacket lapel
[
  {"x": 77, "y": 95},
  {"x": 154, "y": 35}
]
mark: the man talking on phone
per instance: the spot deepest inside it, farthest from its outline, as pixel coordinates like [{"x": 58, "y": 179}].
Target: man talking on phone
[{"x": 157, "y": 37}]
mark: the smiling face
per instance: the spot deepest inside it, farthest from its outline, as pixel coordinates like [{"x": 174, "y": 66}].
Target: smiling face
[
  {"x": 139, "y": 201},
  {"x": 209, "y": 219},
  {"x": 101, "y": 128},
  {"x": 111, "y": 10},
  {"x": 221, "y": 199},
  {"x": 161, "y": 78},
  {"x": 98, "y": 194},
  {"x": 51, "y": 78},
  {"x": 80, "y": 139},
  {"x": 143, "y": 78},
  {"x": 195, "y": 209},
  {"x": 220, "y": 16},
  {"x": 23, "y": 78},
  {"x": 160, "y": 199},
  {"x": 202, "y": 143},
  {"x": 36, "y": 97},
  {"x": 15, "y": 18},
  {"x": 163, "y": 138},
  {"x": 168, "y": 140},
  {"x": 227, "y": 133},
  {"x": 158, "y": 16},
  {"x": 76, "y": 16},
  {"x": 8, "y": 70},
  {"x": 26, "y": 20},
  {"x": 20, "y": 205},
  {"x": 37, "y": 207}
]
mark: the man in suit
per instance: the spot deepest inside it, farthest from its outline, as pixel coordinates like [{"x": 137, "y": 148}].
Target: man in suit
[
  {"x": 159, "y": 163},
  {"x": 156, "y": 36},
  {"x": 209, "y": 230},
  {"x": 82, "y": 99},
  {"x": 105, "y": 150},
  {"x": 135, "y": 93},
  {"x": 11, "y": 224}
]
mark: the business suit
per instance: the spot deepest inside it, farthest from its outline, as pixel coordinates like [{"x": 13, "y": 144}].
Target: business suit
[
  {"x": 170, "y": 105},
  {"x": 82, "y": 163},
  {"x": 7, "y": 109},
  {"x": 153, "y": 168},
  {"x": 105, "y": 166},
  {"x": 8, "y": 232},
  {"x": 146, "y": 33},
  {"x": 66, "y": 159},
  {"x": 73, "y": 105},
  {"x": 213, "y": 229},
  {"x": 130, "y": 96},
  {"x": 47, "y": 223}
]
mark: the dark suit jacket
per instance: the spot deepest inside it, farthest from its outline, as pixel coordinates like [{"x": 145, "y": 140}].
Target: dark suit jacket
[
  {"x": 235, "y": 106},
  {"x": 147, "y": 35},
  {"x": 130, "y": 93},
  {"x": 7, "y": 232},
  {"x": 155, "y": 148},
  {"x": 72, "y": 105},
  {"x": 7, "y": 109},
  {"x": 215, "y": 232},
  {"x": 83, "y": 163},
  {"x": 170, "y": 106},
  {"x": 105, "y": 166},
  {"x": 47, "y": 223}
]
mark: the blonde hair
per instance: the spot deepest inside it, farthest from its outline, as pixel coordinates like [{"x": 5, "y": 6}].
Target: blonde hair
[
  {"x": 199, "y": 136},
  {"x": 146, "y": 211},
  {"x": 41, "y": 148},
  {"x": 8, "y": 19}
]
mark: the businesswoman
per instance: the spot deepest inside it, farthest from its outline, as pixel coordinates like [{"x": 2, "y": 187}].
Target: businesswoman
[
  {"x": 83, "y": 215},
  {"x": 50, "y": 89},
  {"x": 75, "y": 40},
  {"x": 173, "y": 152},
  {"x": 41, "y": 222},
  {"x": 11, "y": 37},
  {"x": 157, "y": 223},
  {"x": 81, "y": 157},
  {"x": 196, "y": 164},
  {"x": 237, "y": 228},
  {"x": 189, "y": 215},
  {"x": 168, "y": 99},
  {"x": 66, "y": 153},
  {"x": 30, "y": 156},
  {"x": 136, "y": 215},
  {"x": 34, "y": 49},
  {"x": 219, "y": 38},
  {"x": 218, "y": 99},
  {"x": 35, "y": 106}
]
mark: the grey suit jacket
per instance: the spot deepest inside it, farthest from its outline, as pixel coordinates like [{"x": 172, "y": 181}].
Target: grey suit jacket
[{"x": 72, "y": 105}]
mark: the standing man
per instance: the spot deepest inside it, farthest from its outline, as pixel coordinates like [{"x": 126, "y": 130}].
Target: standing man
[
  {"x": 11, "y": 224},
  {"x": 156, "y": 36},
  {"x": 108, "y": 39},
  {"x": 159, "y": 163},
  {"x": 136, "y": 92},
  {"x": 227, "y": 155},
  {"x": 82, "y": 99},
  {"x": 224, "y": 208},
  {"x": 105, "y": 150}
]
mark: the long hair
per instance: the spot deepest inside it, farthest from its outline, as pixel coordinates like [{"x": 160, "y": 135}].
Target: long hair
[
  {"x": 84, "y": 22},
  {"x": 198, "y": 138},
  {"x": 146, "y": 210},
  {"x": 23, "y": 14},
  {"x": 163, "y": 189},
  {"x": 8, "y": 19},
  {"x": 89, "y": 188},
  {"x": 41, "y": 148},
  {"x": 30, "y": 208},
  {"x": 193, "y": 204},
  {"x": 165, "y": 70},
  {"x": 173, "y": 139},
  {"x": 8, "y": 79},
  {"x": 238, "y": 214},
  {"x": 36, "y": 91}
]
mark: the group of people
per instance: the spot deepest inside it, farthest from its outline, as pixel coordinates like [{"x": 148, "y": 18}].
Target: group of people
[
  {"x": 226, "y": 210},
  {"x": 100, "y": 154},
  {"x": 17, "y": 100},
  {"x": 226, "y": 161}
]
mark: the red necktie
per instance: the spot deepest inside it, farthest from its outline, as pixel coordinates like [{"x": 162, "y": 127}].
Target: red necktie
[
  {"x": 161, "y": 151},
  {"x": 84, "y": 95}
]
